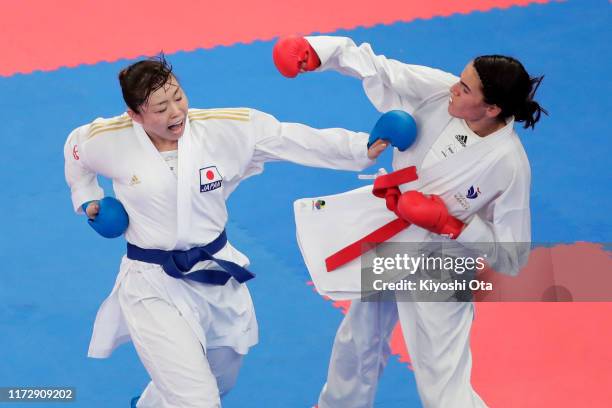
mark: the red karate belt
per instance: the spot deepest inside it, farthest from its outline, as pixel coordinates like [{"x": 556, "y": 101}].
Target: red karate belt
[{"x": 386, "y": 187}]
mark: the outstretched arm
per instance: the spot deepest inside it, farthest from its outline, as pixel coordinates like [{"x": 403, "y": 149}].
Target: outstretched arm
[
  {"x": 389, "y": 84},
  {"x": 333, "y": 148}
]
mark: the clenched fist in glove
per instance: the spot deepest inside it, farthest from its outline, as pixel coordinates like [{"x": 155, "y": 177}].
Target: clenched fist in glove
[
  {"x": 428, "y": 212},
  {"x": 293, "y": 55}
]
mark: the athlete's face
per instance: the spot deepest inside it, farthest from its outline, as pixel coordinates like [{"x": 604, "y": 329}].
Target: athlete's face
[
  {"x": 467, "y": 100},
  {"x": 164, "y": 114}
]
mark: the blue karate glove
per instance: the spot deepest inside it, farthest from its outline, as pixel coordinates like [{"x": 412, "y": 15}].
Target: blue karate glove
[
  {"x": 111, "y": 220},
  {"x": 396, "y": 126}
]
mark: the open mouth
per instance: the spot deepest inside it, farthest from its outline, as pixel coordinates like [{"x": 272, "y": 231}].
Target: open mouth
[{"x": 176, "y": 126}]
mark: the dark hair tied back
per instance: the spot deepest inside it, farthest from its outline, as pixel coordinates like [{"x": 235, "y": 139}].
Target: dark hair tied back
[{"x": 507, "y": 84}]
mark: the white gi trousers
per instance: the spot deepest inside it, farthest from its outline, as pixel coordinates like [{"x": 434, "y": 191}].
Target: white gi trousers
[
  {"x": 182, "y": 373},
  {"x": 437, "y": 336}
]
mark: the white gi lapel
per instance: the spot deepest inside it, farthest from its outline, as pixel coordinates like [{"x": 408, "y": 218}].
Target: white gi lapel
[
  {"x": 152, "y": 155},
  {"x": 470, "y": 156},
  {"x": 184, "y": 187},
  {"x": 431, "y": 118}
]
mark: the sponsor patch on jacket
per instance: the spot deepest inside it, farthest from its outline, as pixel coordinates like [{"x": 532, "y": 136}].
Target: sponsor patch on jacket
[
  {"x": 473, "y": 192},
  {"x": 462, "y": 139},
  {"x": 318, "y": 204},
  {"x": 210, "y": 179},
  {"x": 462, "y": 201}
]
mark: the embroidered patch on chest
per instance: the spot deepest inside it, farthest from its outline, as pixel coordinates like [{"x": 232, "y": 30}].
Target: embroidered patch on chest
[
  {"x": 473, "y": 192},
  {"x": 210, "y": 179}
]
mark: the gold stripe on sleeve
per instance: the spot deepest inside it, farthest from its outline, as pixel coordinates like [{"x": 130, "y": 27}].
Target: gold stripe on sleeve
[
  {"x": 123, "y": 119},
  {"x": 243, "y": 119},
  {"x": 245, "y": 111},
  {"x": 231, "y": 114},
  {"x": 109, "y": 128}
]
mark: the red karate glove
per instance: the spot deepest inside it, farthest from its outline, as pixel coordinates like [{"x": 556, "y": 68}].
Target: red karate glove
[
  {"x": 428, "y": 212},
  {"x": 293, "y": 55}
]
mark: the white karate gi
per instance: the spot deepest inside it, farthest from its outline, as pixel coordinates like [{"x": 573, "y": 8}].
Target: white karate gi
[
  {"x": 437, "y": 334},
  {"x": 171, "y": 320}
]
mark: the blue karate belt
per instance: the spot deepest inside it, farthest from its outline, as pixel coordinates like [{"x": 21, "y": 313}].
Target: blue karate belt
[{"x": 178, "y": 263}]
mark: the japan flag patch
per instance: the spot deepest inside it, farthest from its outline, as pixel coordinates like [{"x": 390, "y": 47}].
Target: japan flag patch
[{"x": 210, "y": 179}]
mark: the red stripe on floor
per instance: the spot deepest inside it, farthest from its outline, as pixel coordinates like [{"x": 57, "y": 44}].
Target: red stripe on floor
[
  {"x": 542, "y": 354},
  {"x": 47, "y": 35}
]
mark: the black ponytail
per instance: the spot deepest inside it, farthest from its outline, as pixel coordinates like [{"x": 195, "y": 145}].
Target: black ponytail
[
  {"x": 506, "y": 83},
  {"x": 531, "y": 111}
]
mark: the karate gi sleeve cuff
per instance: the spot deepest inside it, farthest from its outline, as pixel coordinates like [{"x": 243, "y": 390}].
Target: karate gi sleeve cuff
[
  {"x": 359, "y": 149},
  {"x": 342, "y": 55},
  {"x": 325, "y": 46},
  {"x": 476, "y": 230},
  {"x": 81, "y": 196}
]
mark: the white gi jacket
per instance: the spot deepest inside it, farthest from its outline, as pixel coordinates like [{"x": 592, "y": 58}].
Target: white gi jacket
[
  {"x": 219, "y": 148},
  {"x": 496, "y": 168}
]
